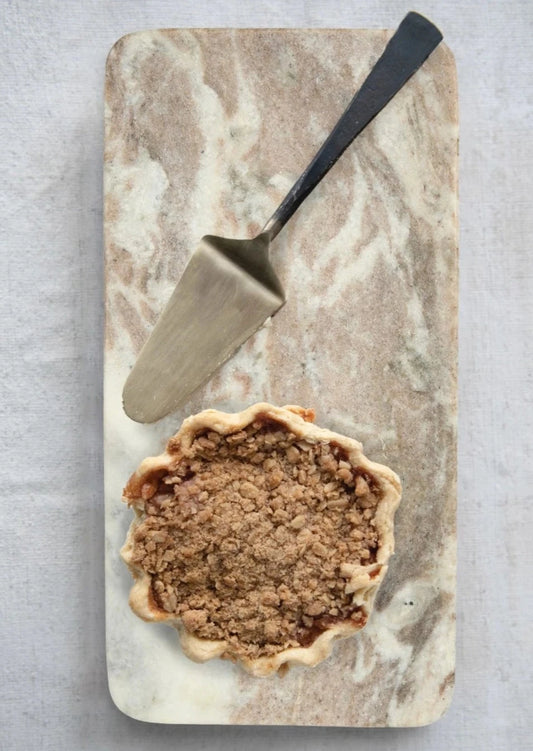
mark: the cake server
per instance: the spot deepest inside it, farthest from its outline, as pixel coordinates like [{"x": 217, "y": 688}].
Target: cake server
[{"x": 229, "y": 288}]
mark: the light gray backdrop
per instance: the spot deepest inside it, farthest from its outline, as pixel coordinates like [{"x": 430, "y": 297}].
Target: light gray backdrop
[{"x": 53, "y": 691}]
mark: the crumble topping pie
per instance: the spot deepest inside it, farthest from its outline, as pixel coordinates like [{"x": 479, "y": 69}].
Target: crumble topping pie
[{"x": 259, "y": 536}]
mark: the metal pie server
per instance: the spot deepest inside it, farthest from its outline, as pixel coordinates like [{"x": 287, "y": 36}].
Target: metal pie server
[{"x": 229, "y": 288}]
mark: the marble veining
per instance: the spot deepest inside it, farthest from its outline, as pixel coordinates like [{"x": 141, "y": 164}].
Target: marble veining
[{"x": 205, "y": 132}]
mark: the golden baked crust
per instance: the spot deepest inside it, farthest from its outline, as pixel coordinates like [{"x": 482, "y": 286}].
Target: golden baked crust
[{"x": 259, "y": 536}]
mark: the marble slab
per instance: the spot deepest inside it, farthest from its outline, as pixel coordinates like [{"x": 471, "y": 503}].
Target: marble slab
[{"x": 205, "y": 132}]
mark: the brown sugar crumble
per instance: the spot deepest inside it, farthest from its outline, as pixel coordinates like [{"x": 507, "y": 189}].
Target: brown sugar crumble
[{"x": 245, "y": 537}]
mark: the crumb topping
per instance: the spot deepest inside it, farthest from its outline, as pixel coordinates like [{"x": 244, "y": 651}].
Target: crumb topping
[{"x": 245, "y": 537}]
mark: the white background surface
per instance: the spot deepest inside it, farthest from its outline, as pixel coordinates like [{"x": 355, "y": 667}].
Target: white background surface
[{"x": 53, "y": 690}]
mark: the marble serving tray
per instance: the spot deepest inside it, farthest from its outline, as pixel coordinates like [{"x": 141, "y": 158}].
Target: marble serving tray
[{"x": 205, "y": 132}]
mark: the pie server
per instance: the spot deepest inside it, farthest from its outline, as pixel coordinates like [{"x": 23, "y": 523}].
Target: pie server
[{"x": 229, "y": 288}]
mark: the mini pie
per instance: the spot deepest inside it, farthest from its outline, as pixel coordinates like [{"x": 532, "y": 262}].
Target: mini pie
[{"x": 259, "y": 536}]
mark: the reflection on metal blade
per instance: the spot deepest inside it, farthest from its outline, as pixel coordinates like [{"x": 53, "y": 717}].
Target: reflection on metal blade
[{"x": 219, "y": 302}]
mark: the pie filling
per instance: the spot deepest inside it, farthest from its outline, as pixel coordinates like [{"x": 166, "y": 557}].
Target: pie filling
[{"x": 245, "y": 537}]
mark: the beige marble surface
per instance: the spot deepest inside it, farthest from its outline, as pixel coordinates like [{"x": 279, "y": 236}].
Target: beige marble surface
[{"x": 205, "y": 132}]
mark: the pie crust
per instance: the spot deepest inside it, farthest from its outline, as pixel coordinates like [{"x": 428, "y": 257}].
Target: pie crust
[{"x": 302, "y": 516}]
